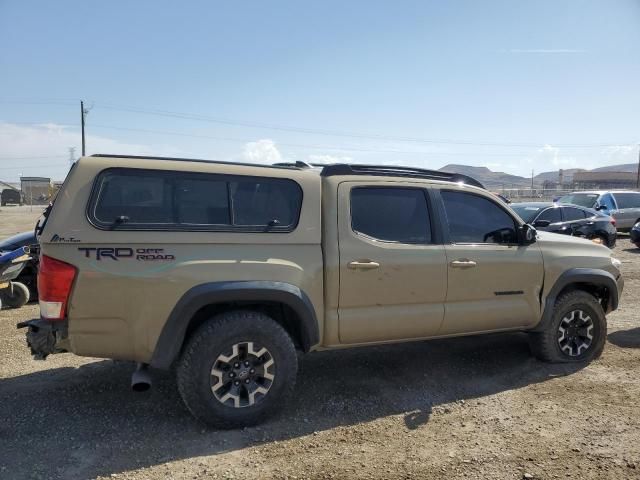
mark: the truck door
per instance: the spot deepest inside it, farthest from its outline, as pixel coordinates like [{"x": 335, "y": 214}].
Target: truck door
[
  {"x": 494, "y": 283},
  {"x": 393, "y": 273}
]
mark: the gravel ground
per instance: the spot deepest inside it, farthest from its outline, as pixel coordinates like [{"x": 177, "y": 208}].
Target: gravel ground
[{"x": 462, "y": 408}]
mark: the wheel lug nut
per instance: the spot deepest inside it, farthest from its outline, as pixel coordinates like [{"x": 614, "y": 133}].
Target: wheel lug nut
[
  {"x": 253, "y": 370},
  {"x": 236, "y": 365},
  {"x": 232, "y": 375},
  {"x": 246, "y": 364},
  {"x": 236, "y": 382},
  {"x": 246, "y": 381}
]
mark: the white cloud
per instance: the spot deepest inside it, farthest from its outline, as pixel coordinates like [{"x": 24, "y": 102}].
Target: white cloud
[
  {"x": 549, "y": 154},
  {"x": 621, "y": 154},
  {"x": 262, "y": 151}
]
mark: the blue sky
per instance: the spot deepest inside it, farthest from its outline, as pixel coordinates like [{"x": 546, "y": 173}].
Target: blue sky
[{"x": 513, "y": 86}]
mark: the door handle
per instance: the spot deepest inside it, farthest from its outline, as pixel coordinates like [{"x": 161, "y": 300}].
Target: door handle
[
  {"x": 463, "y": 263},
  {"x": 363, "y": 265}
]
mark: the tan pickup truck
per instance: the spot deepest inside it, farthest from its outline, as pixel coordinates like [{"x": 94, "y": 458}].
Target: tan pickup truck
[{"x": 226, "y": 271}]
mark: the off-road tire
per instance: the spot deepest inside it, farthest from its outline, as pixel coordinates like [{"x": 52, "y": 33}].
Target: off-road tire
[
  {"x": 16, "y": 298},
  {"x": 545, "y": 345},
  {"x": 217, "y": 336}
]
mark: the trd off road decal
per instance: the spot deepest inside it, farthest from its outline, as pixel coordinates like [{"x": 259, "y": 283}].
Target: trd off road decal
[{"x": 119, "y": 253}]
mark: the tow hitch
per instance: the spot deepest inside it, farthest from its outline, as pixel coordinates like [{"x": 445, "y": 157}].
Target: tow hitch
[{"x": 44, "y": 337}]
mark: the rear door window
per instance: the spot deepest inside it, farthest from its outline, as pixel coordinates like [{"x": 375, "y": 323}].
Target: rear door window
[
  {"x": 133, "y": 199},
  {"x": 551, "y": 214},
  {"x": 627, "y": 200},
  {"x": 572, "y": 214},
  {"x": 391, "y": 214}
]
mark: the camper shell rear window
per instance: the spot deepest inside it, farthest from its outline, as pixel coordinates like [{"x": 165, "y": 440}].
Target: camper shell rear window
[{"x": 141, "y": 199}]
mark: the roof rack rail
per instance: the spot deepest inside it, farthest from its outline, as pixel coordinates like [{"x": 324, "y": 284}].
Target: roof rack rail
[
  {"x": 397, "y": 171},
  {"x": 197, "y": 160},
  {"x": 296, "y": 164}
]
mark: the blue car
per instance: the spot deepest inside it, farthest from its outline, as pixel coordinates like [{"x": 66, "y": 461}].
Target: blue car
[{"x": 29, "y": 274}]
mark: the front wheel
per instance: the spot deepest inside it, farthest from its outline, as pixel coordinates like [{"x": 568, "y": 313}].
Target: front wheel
[
  {"x": 577, "y": 331},
  {"x": 237, "y": 369},
  {"x": 15, "y": 296}
]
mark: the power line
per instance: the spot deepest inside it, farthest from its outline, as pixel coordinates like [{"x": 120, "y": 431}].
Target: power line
[
  {"x": 25, "y": 167},
  {"x": 40, "y": 102},
  {"x": 312, "y": 131},
  {"x": 11, "y": 157},
  {"x": 347, "y": 148},
  {"x": 300, "y": 145},
  {"x": 243, "y": 123}
]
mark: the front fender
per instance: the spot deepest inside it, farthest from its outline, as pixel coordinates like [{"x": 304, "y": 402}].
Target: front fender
[{"x": 581, "y": 276}]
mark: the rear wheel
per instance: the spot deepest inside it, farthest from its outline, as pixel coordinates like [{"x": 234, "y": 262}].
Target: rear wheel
[
  {"x": 237, "y": 369},
  {"x": 577, "y": 331},
  {"x": 16, "y": 296}
]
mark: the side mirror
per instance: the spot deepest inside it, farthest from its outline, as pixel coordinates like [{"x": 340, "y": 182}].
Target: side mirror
[
  {"x": 527, "y": 234},
  {"x": 542, "y": 223},
  {"x": 601, "y": 207}
]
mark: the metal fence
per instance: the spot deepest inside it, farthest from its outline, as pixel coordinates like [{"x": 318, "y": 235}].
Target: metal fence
[{"x": 541, "y": 194}]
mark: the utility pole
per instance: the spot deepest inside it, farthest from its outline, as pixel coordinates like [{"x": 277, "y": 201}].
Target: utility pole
[
  {"x": 531, "y": 180},
  {"x": 82, "y": 112},
  {"x": 638, "y": 173}
]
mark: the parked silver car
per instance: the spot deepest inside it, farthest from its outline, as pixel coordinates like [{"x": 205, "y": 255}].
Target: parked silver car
[{"x": 623, "y": 205}]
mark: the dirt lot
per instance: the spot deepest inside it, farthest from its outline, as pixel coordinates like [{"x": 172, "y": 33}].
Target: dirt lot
[{"x": 467, "y": 408}]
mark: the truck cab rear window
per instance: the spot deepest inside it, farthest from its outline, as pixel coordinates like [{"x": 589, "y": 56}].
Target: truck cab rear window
[{"x": 132, "y": 199}]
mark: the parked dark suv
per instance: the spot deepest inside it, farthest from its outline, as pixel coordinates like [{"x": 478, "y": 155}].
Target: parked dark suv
[{"x": 569, "y": 220}]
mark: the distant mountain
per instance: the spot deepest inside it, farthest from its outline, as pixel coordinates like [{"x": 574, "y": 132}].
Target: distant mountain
[
  {"x": 488, "y": 177},
  {"x": 491, "y": 179},
  {"x": 624, "y": 167}
]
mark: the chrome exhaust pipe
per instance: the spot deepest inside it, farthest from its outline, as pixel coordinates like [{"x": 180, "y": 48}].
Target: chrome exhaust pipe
[{"x": 140, "y": 378}]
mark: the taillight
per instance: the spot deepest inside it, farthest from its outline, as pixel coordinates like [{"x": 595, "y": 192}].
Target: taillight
[
  {"x": 613, "y": 221},
  {"x": 55, "y": 279}
]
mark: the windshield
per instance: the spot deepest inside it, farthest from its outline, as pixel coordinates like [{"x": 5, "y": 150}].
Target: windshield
[
  {"x": 582, "y": 199},
  {"x": 527, "y": 213}
]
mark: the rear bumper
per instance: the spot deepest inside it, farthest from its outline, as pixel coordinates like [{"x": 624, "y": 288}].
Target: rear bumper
[{"x": 45, "y": 337}]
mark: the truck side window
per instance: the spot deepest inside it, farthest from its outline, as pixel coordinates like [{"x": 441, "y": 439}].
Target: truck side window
[
  {"x": 136, "y": 199},
  {"x": 475, "y": 219},
  {"x": 391, "y": 214}
]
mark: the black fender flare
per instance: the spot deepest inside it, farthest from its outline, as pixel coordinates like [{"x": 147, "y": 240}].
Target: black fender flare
[
  {"x": 173, "y": 333},
  {"x": 589, "y": 276}
]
